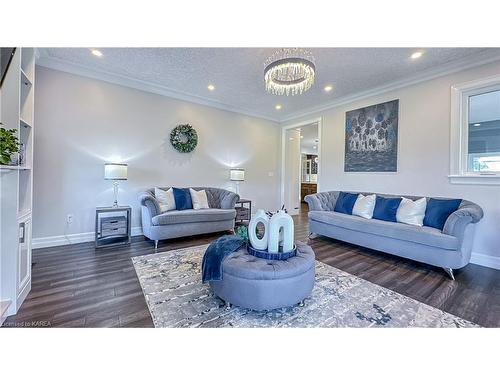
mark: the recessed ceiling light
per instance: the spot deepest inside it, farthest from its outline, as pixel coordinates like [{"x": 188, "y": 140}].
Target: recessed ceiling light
[
  {"x": 476, "y": 125},
  {"x": 301, "y": 136},
  {"x": 328, "y": 88},
  {"x": 416, "y": 55},
  {"x": 211, "y": 87},
  {"x": 96, "y": 52},
  {"x": 315, "y": 147},
  {"x": 278, "y": 107},
  {"x": 291, "y": 139}
]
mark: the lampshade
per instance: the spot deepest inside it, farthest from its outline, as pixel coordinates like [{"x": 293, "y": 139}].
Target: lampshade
[
  {"x": 237, "y": 174},
  {"x": 115, "y": 171}
]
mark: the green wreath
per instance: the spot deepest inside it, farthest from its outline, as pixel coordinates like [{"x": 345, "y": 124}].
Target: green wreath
[{"x": 184, "y": 138}]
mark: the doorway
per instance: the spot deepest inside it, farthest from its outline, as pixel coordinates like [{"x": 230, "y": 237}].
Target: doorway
[{"x": 301, "y": 159}]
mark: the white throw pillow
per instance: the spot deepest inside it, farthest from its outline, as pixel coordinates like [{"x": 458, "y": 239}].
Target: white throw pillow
[
  {"x": 364, "y": 206},
  {"x": 411, "y": 212},
  {"x": 199, "y": 199},
  {"x": 165, "y": 199}
]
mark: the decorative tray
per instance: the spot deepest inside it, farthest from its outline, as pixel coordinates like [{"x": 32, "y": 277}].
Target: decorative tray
[{"x": 264, "y": 254}]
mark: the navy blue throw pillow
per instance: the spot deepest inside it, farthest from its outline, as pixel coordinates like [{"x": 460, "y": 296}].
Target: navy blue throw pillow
[
  {"x": 345, "y": 203},
  {"x": 386, "y": 208},
  {"x": 438, "y": 210},
  {"x": 182, "y": 199}
]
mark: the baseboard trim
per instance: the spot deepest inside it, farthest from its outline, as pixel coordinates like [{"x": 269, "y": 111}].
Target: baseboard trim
[
  {"x": 38, "y": 243},
  {"x": 71, "y": 239},
  {"x": 485, "y": 260}
]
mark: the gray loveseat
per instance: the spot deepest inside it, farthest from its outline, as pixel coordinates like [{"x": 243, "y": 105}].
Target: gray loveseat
[
  {"x": 172, "y": 224},
  {"x": 449, "y": 248}
]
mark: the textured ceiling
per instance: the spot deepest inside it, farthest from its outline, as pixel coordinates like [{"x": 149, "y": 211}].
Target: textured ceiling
[{"x": 237, "y": 73}]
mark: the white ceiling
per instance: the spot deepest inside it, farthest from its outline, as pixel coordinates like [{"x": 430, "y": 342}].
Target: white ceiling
[{"x": 237, "y": 73}]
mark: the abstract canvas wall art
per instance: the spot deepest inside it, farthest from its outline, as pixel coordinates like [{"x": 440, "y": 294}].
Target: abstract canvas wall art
[{"x": 371, "y": 138}]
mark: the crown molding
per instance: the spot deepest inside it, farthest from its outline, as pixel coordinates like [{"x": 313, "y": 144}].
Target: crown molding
[
  {"x": 47, "y": 61},
  {"x": 479, "y": 59}
]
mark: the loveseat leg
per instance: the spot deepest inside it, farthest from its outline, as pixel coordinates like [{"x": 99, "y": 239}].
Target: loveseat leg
[
  {"x": 449, "y": 272},
  {"x": 312, "y": 235},
  {"x": 228, "y": 305},
  {"x": 302, "y": 303},
  {"x": 156, "y": 245}
]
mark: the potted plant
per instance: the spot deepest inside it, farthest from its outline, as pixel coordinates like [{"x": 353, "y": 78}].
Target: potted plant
[{"x": 9, "y": 144}]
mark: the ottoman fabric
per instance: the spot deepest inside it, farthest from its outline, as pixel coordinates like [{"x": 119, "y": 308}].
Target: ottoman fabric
[{"x": 260, "y": 284}]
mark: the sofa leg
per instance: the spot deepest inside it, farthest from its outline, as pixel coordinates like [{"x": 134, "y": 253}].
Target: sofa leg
[
  {"x": 156, "y": 245},
  {"x": 302, "y": 303},
  {"x": 228, "y": 305},
  {"x": 449, "y": 272},
  {"x": 312, "y": 235}
]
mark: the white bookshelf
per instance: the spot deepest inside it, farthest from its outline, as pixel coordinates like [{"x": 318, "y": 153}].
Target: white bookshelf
[{"x": 16, "y": 183}]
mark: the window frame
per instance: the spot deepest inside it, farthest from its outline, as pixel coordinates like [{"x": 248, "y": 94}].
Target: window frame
[{"x": 460, "y": 93}]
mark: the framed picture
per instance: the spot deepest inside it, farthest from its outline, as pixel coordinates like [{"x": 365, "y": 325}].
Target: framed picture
[{"x": 371, "y": 138}]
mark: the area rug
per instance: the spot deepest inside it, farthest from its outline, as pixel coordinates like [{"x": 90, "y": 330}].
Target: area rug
[{"x": 172, "y": 286}]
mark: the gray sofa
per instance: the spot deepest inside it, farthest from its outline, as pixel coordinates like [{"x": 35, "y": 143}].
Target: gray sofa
[
  {"x": 173, "y": 224},
  {"x": 449, "y": 248}
]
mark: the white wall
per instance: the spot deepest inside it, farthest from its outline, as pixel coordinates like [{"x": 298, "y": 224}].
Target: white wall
[
  {"x": 81, "y": 123},
  {"x": 424, "y": 153}
]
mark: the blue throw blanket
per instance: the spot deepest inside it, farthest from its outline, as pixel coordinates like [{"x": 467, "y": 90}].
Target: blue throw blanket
[{"x": 216, "y": 253}]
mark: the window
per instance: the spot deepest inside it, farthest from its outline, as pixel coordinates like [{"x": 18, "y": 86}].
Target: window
[
  {"x": 475, "y": 132},
  {"x": 483, "y": 145}
]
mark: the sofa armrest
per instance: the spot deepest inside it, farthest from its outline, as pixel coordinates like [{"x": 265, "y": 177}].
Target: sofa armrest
[
  {"x": 313, "y": 202},
  {"x": 458, "y": 220},
  {"x": 324, "y": 201},
  {"x": 149, "y": 201},
  {"x": 229, "y": 200}
]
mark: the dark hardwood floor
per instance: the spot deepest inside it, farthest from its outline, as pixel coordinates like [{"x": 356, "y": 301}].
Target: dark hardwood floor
[{"x": 78, "y": 286}]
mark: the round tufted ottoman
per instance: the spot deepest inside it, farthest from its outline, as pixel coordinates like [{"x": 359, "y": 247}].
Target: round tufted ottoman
[{"x": 260, "y": 284}]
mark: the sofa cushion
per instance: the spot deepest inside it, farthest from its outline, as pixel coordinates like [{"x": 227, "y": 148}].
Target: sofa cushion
[
  {"x": 386, "y": 208},
  {"x": 345, "y": 203},
  {"x": 438, "y": 210},
  {"x": 193, "y": 216},
  {"x": 423, "y": 235}
]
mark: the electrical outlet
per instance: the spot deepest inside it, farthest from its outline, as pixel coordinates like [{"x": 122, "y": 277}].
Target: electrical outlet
[{"x": 69, "y": 218}]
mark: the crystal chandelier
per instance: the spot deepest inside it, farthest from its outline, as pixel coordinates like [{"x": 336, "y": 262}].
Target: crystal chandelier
[{"x": 289, "y": 71}]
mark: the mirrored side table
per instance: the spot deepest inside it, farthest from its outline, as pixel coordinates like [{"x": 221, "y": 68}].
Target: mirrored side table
[
  {"x": 112, "y": 226},
  {"x": 243, "y": 211}
]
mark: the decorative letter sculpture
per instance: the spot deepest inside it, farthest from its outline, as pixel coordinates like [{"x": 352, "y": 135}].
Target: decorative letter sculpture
[
  {"x": 278, "y": 221},
  {"x": 259, "y": 243}
]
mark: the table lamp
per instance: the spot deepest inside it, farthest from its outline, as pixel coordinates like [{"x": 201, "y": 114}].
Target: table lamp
[
  {"x": 115, "y": 172},
  {"x": 238, "y": 175}
]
